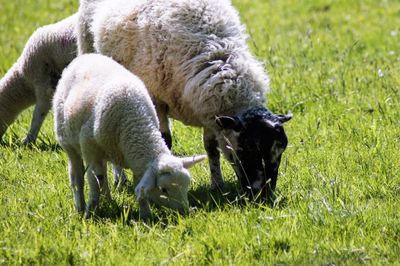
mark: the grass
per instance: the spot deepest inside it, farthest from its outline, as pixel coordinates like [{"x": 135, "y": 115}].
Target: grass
[{"x": 335, "y": 64}]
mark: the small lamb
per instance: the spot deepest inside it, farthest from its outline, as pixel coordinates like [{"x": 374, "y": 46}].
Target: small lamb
[
  {"x": 104, "y": 113},
  {"x": 193, "y": 57},
  {"x": 33, "y": 78}
]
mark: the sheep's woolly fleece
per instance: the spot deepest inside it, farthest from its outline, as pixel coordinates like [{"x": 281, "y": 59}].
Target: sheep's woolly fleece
[
  {"x": 192, "y": 55},
  {"x": 105, "y": 113},
  {"x": 33, "y": 78},
  {"x": 118, "y": 116}
]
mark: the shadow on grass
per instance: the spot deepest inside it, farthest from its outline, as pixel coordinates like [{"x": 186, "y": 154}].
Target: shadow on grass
[
  {"x": 41, "y": 145},
  {"x": 202, "y": 198},
  {"x": 55, "y": 147},
  {"x": 231, "y": 195}
]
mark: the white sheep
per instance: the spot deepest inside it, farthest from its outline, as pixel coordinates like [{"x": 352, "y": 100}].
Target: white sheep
[
  {"x": 192, "y": 56},
  {"x": 104, "y": 113},
  {"x": 33, "y": 78}
]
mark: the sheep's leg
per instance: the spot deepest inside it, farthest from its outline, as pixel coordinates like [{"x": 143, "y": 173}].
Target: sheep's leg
[
  {"x": 105, "y": 189},
  {"x": 211, "y": 146},
  {"x": 98, "y": 184},
  {"x": 119, "y": 175},
  {"x": 76, "y": 178},
  {"x": 39, "y": 114},
  {"x": 3, "y": 128},
  {"x": 162, "y": 113},
  {"x": 144, "y": 209}
]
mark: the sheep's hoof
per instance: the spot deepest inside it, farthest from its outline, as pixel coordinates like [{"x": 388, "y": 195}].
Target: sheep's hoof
[
  {"x": 80, "y": 207},
  {"x": 144, "y": 210},
  {"x": 146, "y": 218},
  {"x": 217, "y": 186},
  {"x": 88, "y": 215},
  {"x": 91, "y": 209},
  {"x": 28, "y": 141}
]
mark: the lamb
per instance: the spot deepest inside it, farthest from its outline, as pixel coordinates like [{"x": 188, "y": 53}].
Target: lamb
[
  {"x": 105, "y": 113},
  {"x": 33, "y": 78},
  {"x": 192, "y": 56}
]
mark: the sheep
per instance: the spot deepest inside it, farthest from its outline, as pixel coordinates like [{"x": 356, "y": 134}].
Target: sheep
[
  {"x": 104, "y": 113},
  {"x": 192, "y": 56},
  {"x": 33, "y": 78}
]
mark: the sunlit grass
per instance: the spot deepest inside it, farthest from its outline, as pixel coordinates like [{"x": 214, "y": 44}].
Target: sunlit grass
[{"x": 334, "y": 64}]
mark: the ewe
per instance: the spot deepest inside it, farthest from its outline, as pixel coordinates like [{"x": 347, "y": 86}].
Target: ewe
[
  {"x": 33, "y": 78},
  {"x": 104, "y": 113},
  {"x": 192, "y": 56}
]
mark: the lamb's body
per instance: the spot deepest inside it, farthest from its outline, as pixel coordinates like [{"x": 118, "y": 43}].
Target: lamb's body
[
  {"x": 192, "y": 56},
  {"x": 104, "y": 113},
  {"x": 33, "y": 78}
]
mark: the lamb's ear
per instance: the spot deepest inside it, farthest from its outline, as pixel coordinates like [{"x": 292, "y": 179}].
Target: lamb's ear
[
  {"x": 147, "y": 183},
  {"x": 229, "y": 122},
  {"x": 190, "y": 161},
  {"x": 285, "y": 118}
]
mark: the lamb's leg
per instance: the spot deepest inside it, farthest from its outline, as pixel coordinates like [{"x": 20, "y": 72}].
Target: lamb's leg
[
  {"x": 98, "y": 184},
  {"x": 76, "y": 178},
  {"x": 39, "y": 114},
  {"x": 211, "y": 146},
  {"x": 119, "y": 175},
  {"x": 162, "y": 113}
]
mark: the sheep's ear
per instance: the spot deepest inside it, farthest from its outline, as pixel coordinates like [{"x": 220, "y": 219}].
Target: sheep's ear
[
  {"x": 229, "y": 122},
  {"x": 147, "y": 183},
  {"x": 190, "y": 161},
  {"x": 285, "y": 118}
]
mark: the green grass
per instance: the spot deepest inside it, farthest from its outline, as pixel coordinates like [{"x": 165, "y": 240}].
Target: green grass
[{"x": 335, "y": 64}]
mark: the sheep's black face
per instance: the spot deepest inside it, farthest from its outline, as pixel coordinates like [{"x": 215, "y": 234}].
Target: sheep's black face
[{"x": 254, "y": 142}]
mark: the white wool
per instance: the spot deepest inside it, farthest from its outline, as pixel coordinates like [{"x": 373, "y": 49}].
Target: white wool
[
  {"x": 108, "y": 96},
  {"x": 104, "y": 113},
  {"x": 33, "y": 78},
  {"x": 192, "y": 55}
]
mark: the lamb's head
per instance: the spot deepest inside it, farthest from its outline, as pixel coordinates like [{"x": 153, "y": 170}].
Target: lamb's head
[
  {"x": 166, "y": 182},
  {"x": 253, "y": 142}
]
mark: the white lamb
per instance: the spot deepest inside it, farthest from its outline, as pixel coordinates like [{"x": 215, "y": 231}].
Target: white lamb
[
  {"x": 104, "y": 113},
  {"x": 192, "y": 56},
  {"x": 33, "y": 78}
]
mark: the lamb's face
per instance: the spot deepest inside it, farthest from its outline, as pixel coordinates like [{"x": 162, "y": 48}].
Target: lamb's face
[
  {"x": 166, "y": 183},
  {"x": 254, "y": 142},
  {"x": 172, "y": 188}
]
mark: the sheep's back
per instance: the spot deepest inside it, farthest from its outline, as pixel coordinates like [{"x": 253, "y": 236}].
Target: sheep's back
[
  {"x": 156, "y": 40},
  {"x": 107, "y": 105},
  {"x": 49, "y": 50}
]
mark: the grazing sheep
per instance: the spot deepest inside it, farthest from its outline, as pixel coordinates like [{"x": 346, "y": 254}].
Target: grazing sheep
[
  {"x": 104, "y": 113},
  {"x": 33, "y": 78},
  {"x": 192, "y": 56}
]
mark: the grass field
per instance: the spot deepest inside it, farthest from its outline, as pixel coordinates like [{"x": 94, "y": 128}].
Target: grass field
[{"x": 334, "y": 63}]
